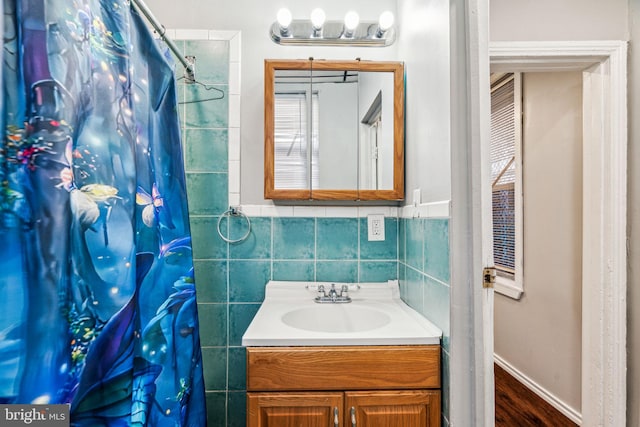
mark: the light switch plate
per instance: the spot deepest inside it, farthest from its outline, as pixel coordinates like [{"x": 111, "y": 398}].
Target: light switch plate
[{"x": 375, "y": 227}]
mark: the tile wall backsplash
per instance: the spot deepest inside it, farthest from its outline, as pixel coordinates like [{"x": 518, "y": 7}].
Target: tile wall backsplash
[
  {"x": 231, "y": 285},
  {"x": 423, "y": 263},
  {"x": 285, "y": 243}
]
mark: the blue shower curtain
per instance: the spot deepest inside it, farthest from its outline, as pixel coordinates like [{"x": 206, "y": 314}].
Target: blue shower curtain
[{"x": 98, "y": 305}]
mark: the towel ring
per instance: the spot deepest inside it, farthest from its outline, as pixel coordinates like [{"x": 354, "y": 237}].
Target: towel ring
[{"x": 234, "y": 212}]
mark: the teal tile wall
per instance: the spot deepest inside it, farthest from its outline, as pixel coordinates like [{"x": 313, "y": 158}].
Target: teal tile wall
[
  {"x": 230, "y": 278},
  {"x": 424, "y": 274},
  {"x": 231, "y": 287},
  {"x": 203, "y": 112}
]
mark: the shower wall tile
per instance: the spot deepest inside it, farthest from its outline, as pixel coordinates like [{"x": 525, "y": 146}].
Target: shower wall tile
[
  {"x": 377, "y": 271},
  {"x": 211, "y": 280},
  {"x": 213, "y": 324},
  {"x": 436, "y": 249},
  {"x": 414, "y": 289},
  {"x": 436, "y": 299},
  {"x": 216, "y": 408},
  {"x": 257, "y": 245},
  {"x": 212, "y": 60},
  {"x": 337, "y": 271},
  {"x": 386, "y": 249},
  {"x": 294, "y": 238},
  {"x": 206, "y": 242},
  {"x": 414, "y": 244},
  {"x": 294, "y": 270},
  {"x": 337, "y": 238},
  {"x": 214, "y": 361},
  {"x": 200, "y": 189},
  {"x": 240, "y": 315},
  {"x": 237, "y": 409},
  {"x": 423, "y": 264},
  {"x": 237, "y": 368},
  {"x": 402, "y": 253},
  {"x": 206, "y": 106},
  {"x": 206, "y": 150},
  {"x": 247, "y": 280}
]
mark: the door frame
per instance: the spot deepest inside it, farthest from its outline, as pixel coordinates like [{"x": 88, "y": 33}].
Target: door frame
[{"x": 604, "y": 271}]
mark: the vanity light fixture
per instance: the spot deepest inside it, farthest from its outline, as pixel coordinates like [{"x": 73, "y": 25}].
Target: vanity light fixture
[
  {"x": 318, "y": 31},
  {"x": 351, "y": 21},
  {"x": 384, "y": 23},
  {"x": 283, "y": 19},
  {"x": 317, "y": 21}
]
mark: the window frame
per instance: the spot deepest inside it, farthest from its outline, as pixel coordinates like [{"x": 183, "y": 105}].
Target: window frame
[{"x": 514, "y": 287}]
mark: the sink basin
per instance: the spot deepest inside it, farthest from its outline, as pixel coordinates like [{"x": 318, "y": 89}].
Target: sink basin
[
  {"x": 336, "y": 318},
  {"x": 376, "y": 315}
]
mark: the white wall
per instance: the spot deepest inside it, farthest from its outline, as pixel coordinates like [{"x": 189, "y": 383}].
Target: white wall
[
  {"x": 558, "y": 20},
  {"x": 540, "y": 334},
  {"x": 338, "y": 134},
  {"x": 254, "y": 18},
  {"x": 424, "y": 46}
]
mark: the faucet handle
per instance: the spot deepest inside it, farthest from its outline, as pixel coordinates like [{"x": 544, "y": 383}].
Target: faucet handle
[
  {"x": 344, "y": 291},
  {"x": 321, "y": 292}
]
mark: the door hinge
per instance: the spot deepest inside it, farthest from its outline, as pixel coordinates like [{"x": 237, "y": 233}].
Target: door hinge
[{"x": 488, "y": 277}]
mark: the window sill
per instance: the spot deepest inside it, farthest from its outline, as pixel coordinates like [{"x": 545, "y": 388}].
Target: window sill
[{"x": 508, "y": 288}]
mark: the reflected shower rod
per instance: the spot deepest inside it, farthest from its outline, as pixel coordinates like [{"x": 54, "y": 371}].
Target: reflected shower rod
[{"x": 189, "y": 72}]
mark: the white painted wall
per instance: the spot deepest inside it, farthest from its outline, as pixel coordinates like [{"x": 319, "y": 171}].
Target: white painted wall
[
  {"x": 338, "y": 134},
  {"x": 253, "y": 18},
  {"x": 515, "y": 20},
  {"x": 518, "y": 20},
  {"x": 424, "y": 45},
  {"x": 540, "y": 334}
]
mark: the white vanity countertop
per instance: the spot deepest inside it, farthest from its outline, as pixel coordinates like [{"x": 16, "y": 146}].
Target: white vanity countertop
[{"x": 289, "y": 316}]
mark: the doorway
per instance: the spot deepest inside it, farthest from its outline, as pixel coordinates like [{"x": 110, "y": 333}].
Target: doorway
[
  {"x": 603, "y": 65},
  {"x": 536, "y": 157}
]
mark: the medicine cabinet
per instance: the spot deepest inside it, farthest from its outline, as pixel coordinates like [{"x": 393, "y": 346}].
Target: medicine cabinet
[{"x": 334, "y": 130}]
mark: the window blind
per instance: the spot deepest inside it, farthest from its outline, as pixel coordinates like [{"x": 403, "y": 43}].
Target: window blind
[
  {"x": 293, "y": 153},
  {"x": 503, "y": 176}
]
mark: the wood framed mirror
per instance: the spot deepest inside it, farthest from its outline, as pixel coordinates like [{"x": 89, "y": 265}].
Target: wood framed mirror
[{"x": 333, "y": 130}]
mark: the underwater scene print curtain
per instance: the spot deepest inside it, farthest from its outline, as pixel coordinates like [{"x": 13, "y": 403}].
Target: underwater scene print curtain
[{"x": 98, "y": 306}]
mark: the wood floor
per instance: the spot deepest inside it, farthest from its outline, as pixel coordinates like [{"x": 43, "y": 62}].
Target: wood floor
[{"x": 517, "y": 406}]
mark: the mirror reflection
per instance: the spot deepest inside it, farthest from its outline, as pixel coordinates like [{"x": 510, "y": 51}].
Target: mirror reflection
[{"x": 335, "y": 131}]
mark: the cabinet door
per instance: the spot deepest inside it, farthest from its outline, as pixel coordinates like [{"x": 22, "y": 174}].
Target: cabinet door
[
  {"x": 419, "y": 408},
  {"x": 290, "y": 409}
]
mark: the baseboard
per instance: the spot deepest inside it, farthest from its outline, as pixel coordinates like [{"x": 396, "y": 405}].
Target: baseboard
[{"x": 550, "y": 398}]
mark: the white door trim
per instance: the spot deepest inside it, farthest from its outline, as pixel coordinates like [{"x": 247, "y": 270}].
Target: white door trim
[{"x": 604, "y": 284}]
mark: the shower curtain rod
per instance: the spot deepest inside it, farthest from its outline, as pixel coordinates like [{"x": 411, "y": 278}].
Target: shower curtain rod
[{"x": 189, "y": 72}]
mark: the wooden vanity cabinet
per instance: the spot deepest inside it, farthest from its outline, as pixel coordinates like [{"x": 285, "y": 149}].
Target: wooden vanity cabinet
[
  {"x": 267, "y": 409},
  {"x": 364, "y": 408},
  {"x": 391, "y": 386},
  {"x": 393, "y": 408}
]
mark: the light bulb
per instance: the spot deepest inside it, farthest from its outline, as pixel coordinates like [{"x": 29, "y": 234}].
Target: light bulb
[
  {"x": 284, "y": 17},
  {"x": 317, "y": 18},
  {"x": 385, "y": 21},
  {"x": 351, "y": 20}
]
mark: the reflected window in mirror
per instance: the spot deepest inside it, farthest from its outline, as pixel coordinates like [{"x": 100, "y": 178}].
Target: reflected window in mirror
[{"x": 296, "y": 142}]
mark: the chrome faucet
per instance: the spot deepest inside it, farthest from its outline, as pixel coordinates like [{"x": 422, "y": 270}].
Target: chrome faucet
[{"x": 333, "y": 296}]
